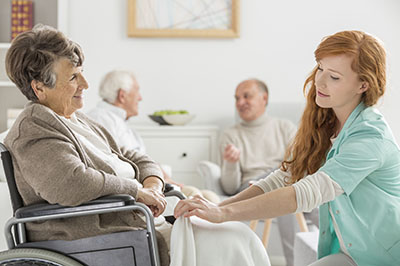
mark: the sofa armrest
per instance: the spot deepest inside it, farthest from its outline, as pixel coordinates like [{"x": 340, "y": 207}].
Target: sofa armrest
[
  {"x": 211, "y": 173},
  {"x": 167, "y": 169}
]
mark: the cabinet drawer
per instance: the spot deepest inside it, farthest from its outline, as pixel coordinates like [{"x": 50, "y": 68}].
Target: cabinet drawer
[{"x": 182, "y": 154}]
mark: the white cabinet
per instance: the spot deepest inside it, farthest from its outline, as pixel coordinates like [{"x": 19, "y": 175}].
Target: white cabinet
[{"x": 181, "y": 147}]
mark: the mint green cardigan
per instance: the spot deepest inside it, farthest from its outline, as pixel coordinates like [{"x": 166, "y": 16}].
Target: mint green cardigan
[{"x": 365, "y": 161}]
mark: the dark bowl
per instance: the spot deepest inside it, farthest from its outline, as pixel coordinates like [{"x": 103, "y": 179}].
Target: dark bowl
[{"x": 159, "y": 119}]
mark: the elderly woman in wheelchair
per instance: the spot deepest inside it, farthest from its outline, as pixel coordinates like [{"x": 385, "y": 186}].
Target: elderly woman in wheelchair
[
  {"x": 64, "y": 171},
  {"x": 62, "y": 157}
]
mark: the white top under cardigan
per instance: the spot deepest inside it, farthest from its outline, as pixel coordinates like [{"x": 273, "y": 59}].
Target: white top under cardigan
[{"x": 97, "y": 145}]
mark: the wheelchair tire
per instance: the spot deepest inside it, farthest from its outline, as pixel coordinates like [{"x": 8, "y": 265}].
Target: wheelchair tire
[{"x": 35, "y": 256}]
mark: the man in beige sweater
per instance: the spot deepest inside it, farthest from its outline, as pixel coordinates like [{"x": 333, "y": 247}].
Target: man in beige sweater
[{"x": 255, "y": 147}]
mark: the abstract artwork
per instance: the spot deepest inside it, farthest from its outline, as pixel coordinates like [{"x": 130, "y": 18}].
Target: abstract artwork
[{"x": 183, "y": 18}]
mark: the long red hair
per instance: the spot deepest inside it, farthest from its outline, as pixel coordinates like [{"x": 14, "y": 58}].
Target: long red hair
[{"x": 309, "y": 148}]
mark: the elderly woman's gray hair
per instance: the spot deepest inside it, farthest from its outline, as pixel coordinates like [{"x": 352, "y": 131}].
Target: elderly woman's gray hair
[
  {"x": 32, "y": 56},
  {"x": 113, "y": 82}
]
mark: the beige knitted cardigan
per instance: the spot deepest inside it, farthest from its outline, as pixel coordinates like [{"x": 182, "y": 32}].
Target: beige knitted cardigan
[{"x": 51, "y": 165}]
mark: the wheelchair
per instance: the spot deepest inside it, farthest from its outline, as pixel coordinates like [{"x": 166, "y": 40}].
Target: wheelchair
[{"x": 137, "y": 247}]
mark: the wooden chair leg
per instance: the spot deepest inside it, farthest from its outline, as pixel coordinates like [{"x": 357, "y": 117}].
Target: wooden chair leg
[
  {"x": 267, "y": 229},
  {"x": 253, "y": 225},
  {"x": 302, "y": 222}
]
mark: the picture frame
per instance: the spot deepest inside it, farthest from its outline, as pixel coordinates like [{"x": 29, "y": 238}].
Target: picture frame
[{"x": 183, "y": 19}]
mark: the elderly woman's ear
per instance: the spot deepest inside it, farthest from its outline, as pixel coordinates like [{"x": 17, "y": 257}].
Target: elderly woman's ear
[{"x": 39, "y": 89}]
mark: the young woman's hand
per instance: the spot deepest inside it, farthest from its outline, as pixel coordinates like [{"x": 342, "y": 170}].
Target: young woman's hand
[{"x": 200, "y": 207}]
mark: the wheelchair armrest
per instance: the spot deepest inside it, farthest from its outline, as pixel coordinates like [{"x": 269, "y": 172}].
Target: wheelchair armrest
[
  {"x": 173, "y": 191},
  {"x": 42, "y": 209},
  {"x": 168, "y": 187}
]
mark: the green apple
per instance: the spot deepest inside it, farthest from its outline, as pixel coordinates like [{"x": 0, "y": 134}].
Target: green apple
[{"x": 170, "y": 112}]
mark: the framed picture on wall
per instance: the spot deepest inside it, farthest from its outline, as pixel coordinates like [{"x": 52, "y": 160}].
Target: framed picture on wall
[{"x": 183, "y": 18}]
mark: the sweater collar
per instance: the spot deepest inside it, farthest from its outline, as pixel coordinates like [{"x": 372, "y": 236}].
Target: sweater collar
[
  {"x": 256, "y": 122},
  {"x": 114, "y": 109}
]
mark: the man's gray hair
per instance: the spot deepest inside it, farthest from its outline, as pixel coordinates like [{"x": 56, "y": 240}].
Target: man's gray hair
[
  {"x": 114, "y": 81},
  {"x": 261, "y": 85}
]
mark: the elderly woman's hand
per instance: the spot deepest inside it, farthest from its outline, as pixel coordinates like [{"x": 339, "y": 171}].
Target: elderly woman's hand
[
  {"x": 154, "y": 199},
  {"x": 151, "y": 195},
  {"x": 200, "y": 207}
]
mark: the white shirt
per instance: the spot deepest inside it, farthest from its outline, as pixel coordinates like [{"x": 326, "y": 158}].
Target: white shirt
[
  {"x": 99, "y": 147},
  {"x": 113, "y": 119}
]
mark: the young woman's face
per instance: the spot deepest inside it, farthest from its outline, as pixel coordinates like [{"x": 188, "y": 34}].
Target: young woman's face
[{"x": 337, "y": 85}]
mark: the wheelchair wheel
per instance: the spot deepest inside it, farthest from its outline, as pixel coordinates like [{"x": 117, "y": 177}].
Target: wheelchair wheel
[{"x": 34, "y": 256}]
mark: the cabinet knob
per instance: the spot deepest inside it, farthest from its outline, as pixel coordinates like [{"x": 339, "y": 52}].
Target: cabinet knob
[{"x": 184, "y": 154}]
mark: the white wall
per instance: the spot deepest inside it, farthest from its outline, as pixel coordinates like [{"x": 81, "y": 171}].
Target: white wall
[{"x": 276, "y": 44}]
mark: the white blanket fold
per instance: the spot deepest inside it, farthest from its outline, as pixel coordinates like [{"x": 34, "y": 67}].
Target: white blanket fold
[{"x": 196, "y": 242}]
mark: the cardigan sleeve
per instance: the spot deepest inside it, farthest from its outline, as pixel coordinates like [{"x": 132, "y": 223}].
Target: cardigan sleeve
[
  {"x": 146, "y": 166},
  {"x": 311, "y": 191},
  {"x": 314, "y": 190},
  {"x": 273, "y": 181}
]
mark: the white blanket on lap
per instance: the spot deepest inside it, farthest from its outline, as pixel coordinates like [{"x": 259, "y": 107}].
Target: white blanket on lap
[{"x": 196, "y": 242}]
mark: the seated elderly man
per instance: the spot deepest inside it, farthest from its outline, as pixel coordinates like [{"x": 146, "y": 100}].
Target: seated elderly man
[
  {"x": 61, "y": 156},
  {"x": 119, "y": 90},
  {"x": 255, "y": 147}
]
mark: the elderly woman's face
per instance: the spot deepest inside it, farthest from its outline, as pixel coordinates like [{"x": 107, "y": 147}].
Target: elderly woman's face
[{"x": 67, "y": 95}]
